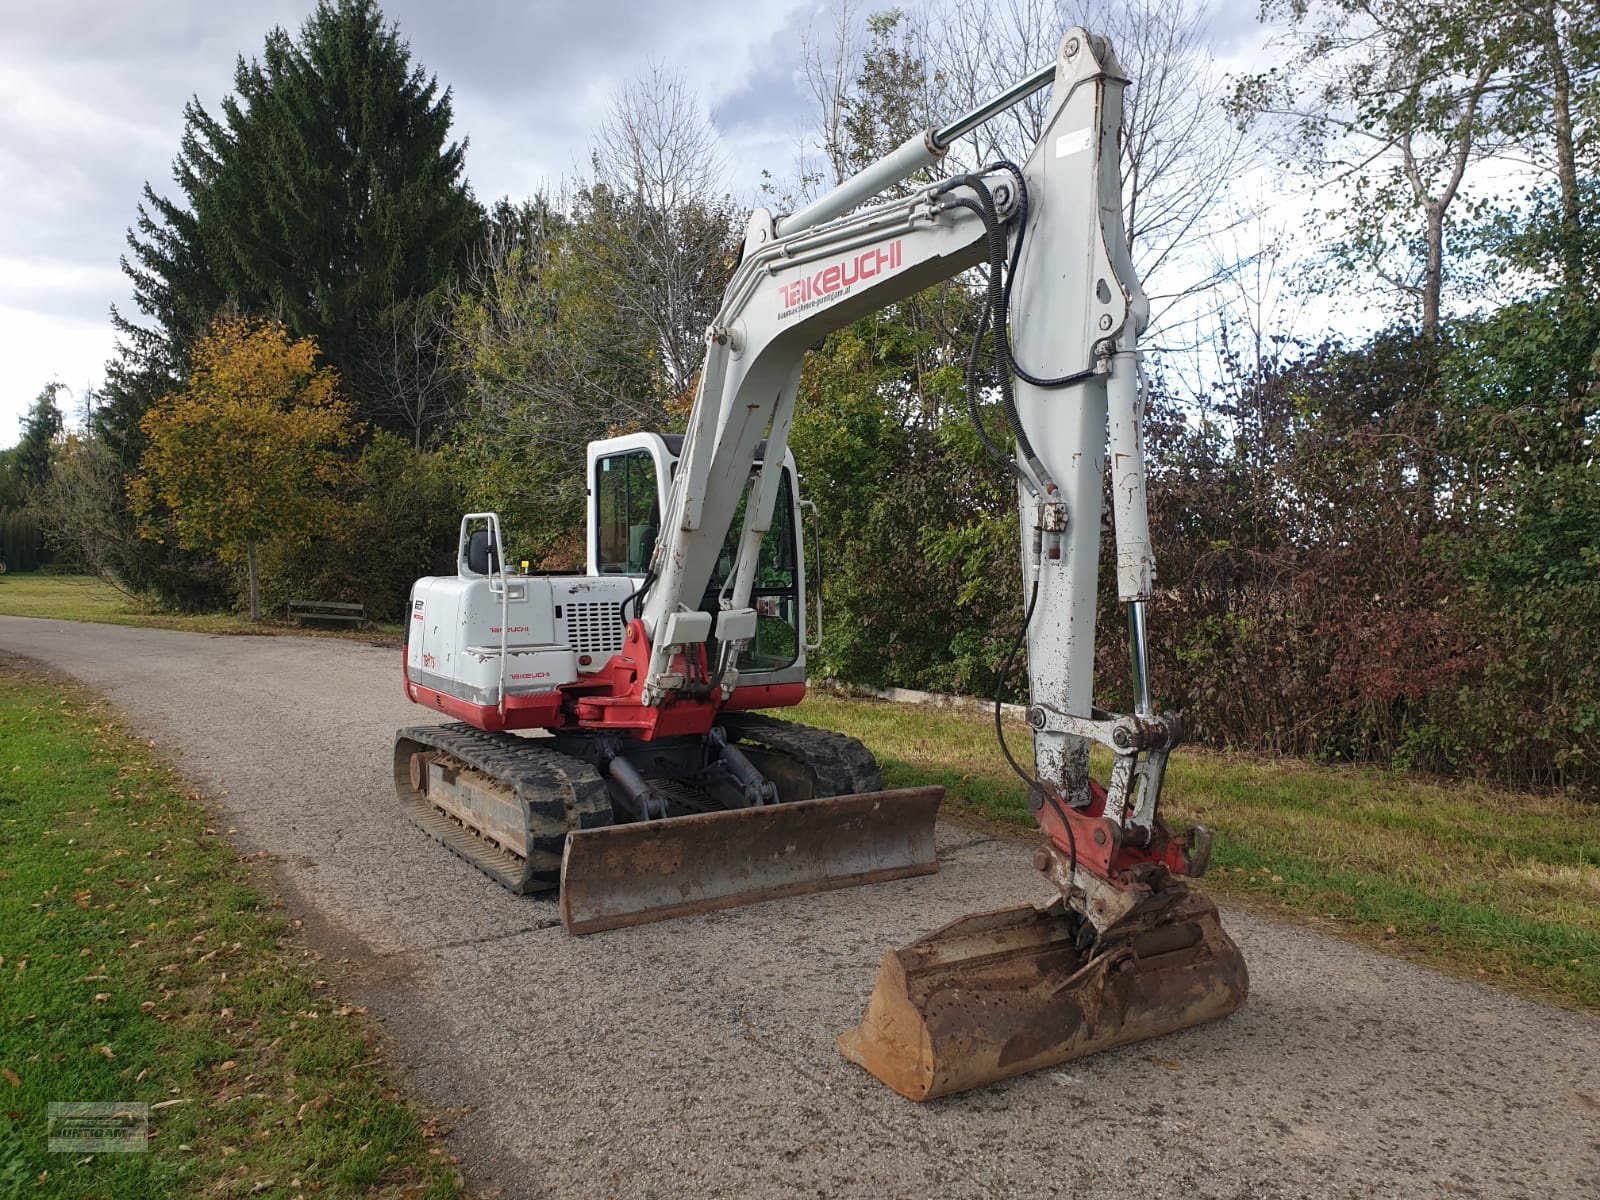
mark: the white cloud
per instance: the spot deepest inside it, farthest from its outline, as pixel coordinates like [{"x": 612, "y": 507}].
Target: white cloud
[{"x": 38, "y": 348}]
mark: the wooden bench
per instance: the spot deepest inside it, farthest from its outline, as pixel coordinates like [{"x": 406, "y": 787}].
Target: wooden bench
[{"x": 326, "y": 610}]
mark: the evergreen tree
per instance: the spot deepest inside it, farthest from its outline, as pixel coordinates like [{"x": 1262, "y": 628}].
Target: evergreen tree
[
  {"x": 27, "y": 465},
  {"x": 324, "y": 192}
]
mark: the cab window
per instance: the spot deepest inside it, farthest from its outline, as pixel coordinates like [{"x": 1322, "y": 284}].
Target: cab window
[
  {"x": 775, "y": 592},
  {"x": 628, "y": 510}
]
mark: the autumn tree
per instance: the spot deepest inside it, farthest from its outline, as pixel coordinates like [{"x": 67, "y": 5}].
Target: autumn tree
[
  {"x": 655, "y": 226},
  {"x": 584, "y": 314},
  {"x": 250, "y": 450}
]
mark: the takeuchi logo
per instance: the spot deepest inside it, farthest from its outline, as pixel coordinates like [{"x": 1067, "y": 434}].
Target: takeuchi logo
[{"x": 839, "y": 277}]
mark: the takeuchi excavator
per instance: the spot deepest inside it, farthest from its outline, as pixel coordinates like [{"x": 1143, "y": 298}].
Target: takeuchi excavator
[{"x": 662, "y": 786}]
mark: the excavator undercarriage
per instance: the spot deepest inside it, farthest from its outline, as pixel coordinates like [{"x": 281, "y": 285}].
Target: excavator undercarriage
[{"x": 663, "y": 833}]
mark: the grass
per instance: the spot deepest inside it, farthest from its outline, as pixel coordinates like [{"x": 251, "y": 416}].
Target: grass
[
  {"x": 141, "y": 961},
  {"x": 85, "y": 598},
  {"x": 1497, "y": 884}
]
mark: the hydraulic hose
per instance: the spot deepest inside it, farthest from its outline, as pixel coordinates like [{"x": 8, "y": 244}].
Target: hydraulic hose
[{"x": 1034, "y": 785}]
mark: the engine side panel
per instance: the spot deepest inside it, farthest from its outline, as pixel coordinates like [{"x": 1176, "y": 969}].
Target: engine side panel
[{"x": 555, "y": 629}]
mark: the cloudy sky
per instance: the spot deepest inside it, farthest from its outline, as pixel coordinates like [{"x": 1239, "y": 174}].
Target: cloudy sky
[{"x": 92, "y": 95}]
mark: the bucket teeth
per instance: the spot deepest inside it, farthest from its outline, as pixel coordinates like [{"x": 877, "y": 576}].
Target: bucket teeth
[{"x": 999, "y": 994}]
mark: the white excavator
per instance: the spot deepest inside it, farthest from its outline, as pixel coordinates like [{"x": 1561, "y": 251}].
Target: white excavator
[{"x": 662, "y": 787}]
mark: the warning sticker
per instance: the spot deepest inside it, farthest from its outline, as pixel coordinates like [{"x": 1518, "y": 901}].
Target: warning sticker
[{"x": 1072, "y": 143}]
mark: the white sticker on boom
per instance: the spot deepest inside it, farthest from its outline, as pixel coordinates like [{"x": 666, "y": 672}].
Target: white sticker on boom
[{"x": 1071, "y": 143}]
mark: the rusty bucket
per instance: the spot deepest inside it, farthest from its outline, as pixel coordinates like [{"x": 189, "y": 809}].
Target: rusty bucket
[{"x": 1003, "y": 993}]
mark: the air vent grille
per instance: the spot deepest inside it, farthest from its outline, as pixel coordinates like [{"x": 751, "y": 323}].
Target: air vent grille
[{"x": 594, "y": 629}]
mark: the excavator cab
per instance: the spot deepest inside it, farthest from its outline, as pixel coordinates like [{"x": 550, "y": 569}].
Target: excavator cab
[{"x": 629, "y": 477}]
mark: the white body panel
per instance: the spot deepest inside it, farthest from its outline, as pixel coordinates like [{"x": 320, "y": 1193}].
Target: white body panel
[{"x": 554, "y": 628}]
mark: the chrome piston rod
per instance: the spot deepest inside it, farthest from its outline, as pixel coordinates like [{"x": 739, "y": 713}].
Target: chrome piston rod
[
  {"x": 1139, "y": 650},
  {"x": 918, "y": 151}
]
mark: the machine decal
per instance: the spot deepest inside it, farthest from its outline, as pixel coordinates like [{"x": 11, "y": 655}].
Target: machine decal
[{"x": 837, "y": 279}]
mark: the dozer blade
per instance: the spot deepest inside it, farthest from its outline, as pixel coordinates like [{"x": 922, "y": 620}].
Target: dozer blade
[
  {"x": 1002, "y": 993},
  {"x": 654, "y": 870}
]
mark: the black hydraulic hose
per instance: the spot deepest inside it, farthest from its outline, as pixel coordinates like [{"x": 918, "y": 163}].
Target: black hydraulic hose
[
  {"x": 622, "y": 609},
  {"x": 1017, "y": 369},
  {"x": 975, "y": 399},
  {"x": 1000, "y": 734},
  {"x": 983, "y": 205}
]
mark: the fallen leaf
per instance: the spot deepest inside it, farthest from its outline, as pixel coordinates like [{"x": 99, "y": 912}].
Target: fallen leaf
[
  {"x": 1171, "y": 1064},
  {"x": 106, "y": 1052},
  {"x": 11, "y": 1077},
  {"x": 228, "y": 1065}
]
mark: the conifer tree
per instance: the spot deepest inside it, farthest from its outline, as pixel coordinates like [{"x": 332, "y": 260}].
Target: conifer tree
[{"x": 323, "y": 192}]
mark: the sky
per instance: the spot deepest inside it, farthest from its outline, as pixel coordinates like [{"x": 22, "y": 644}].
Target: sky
[{"x": 91, "y": 107}]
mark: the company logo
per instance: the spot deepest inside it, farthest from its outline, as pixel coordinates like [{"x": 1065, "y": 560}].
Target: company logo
[{"x": 837, "y": 279}]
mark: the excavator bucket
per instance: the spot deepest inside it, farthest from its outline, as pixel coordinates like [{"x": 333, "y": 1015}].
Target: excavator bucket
[
  {"x": 655, "y": 870},
  {"x": 1002, "y": 993}
]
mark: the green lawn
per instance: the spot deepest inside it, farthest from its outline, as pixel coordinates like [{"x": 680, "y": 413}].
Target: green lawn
[
  {"x": 1494, "y": 883},
  {"x": 85, "y": 598},
  {"x": 141, "y": 961}
]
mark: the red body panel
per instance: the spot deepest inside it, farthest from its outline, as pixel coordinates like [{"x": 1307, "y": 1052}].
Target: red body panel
[
  {"x": 765, "y": 695},
  {"x": 610, "y": 699},
  {"x": 522, "y": 712},
  {"x": 1095, "y": 842}
]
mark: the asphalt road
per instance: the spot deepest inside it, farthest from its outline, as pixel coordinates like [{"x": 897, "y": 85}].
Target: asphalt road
[{"x": 696, "y": 1058}]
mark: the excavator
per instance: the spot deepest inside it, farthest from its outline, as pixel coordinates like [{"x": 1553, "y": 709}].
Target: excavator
[{"x": 659, "y": 785}]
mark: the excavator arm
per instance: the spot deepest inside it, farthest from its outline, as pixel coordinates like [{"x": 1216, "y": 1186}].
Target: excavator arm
[{"x": 1066, "y": 310}]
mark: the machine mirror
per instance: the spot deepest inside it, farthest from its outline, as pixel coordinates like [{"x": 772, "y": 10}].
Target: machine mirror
[{"x": 480, "y": 553}]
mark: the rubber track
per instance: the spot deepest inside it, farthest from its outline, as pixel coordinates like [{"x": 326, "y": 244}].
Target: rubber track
[
  {"x": 841, "y": 764},
  {"x": 558, "y": 793}
]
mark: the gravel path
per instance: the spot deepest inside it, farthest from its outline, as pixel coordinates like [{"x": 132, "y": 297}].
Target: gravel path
[{"x": 696, "y": 1058}]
